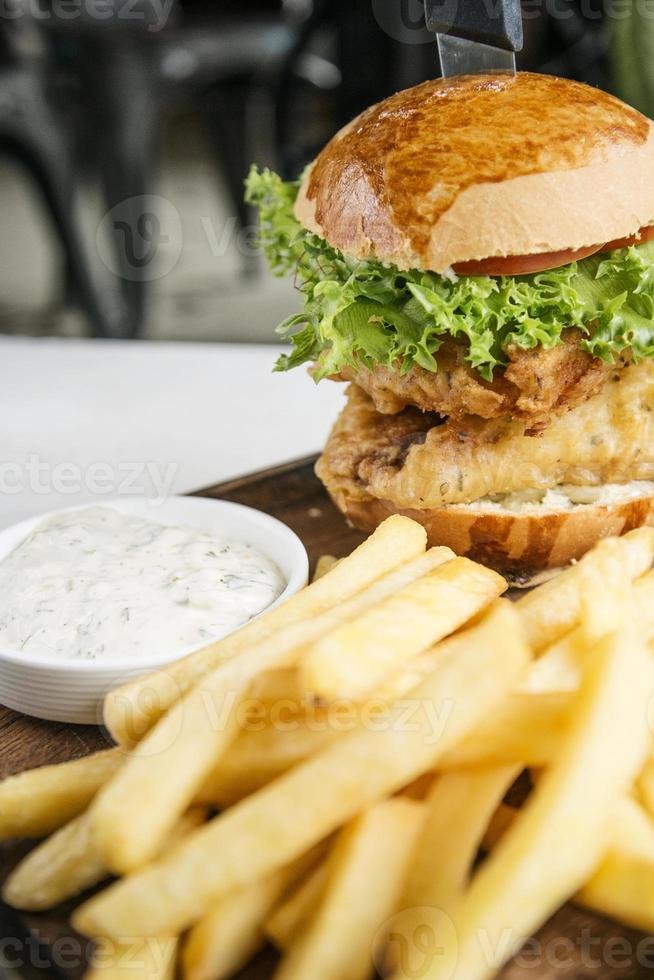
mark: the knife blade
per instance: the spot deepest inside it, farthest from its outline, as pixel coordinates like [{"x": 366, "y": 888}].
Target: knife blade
[{"x": 475, "y": 35}]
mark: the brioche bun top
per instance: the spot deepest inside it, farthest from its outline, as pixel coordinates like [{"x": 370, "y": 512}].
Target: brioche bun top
[{"x": 476, "y": 166}]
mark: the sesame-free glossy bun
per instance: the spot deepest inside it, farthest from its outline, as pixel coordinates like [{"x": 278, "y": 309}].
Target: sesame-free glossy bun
[
  {"x": 475, "y": 166},
  {"x": 516, "y": 544}
]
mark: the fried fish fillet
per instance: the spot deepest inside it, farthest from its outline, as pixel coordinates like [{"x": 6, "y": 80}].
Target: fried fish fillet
[
  {"x": 536, "y": 384},
  {"x": 415, "y": 459}
]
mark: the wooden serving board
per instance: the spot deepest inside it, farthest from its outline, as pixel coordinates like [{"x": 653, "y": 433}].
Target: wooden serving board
[{"x": 574, "y": 945}]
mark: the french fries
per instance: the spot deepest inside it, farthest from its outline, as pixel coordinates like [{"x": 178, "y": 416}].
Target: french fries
[
  {"x": 526, "y": 728},
  {"x": 459, "y": 808},
  {"x": 352, "y": 660},
  {"x": 556, "y": 606},
  {"x": 169, "y": 765},
  {"x": 271, "y": 827},
  {"x": 227, "y": 937},
  {"x": 564, "y": 830},
  {"x": 131, "y": 710},
  {"x": 359, "y": 741},
  {"x": 621, "y": 885},
  {"x": 232, "y": 931},
  {"x": 39, "y": 801},
  {"x": 67, "y": 863},
  {"x": 559, "y": 667},
  {"x": 365, "y": 875}
]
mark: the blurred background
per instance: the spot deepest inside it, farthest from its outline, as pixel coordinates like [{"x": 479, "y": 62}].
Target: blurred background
[{"x": 127, "y": 127}]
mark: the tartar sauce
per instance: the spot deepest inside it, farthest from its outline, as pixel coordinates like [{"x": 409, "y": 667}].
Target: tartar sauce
[{"x": 97, "y": 584}]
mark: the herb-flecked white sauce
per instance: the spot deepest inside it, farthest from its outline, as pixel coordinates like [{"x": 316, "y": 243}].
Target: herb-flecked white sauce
[{"x": 97, "y": 584}]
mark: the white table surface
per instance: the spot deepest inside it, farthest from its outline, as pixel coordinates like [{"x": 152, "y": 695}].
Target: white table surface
[{"x": 85, "y": 419}]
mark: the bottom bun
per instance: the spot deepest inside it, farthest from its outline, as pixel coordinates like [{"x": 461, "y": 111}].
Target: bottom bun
[{"x": 519, "y": 543}]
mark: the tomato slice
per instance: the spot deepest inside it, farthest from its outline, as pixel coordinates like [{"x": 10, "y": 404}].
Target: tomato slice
[
  {"x": 645, "y": 234},
  {"x": 521, "y": 265}
]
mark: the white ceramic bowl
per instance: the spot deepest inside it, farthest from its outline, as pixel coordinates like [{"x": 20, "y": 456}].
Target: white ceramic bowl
[{"x": 72, "y": 691}]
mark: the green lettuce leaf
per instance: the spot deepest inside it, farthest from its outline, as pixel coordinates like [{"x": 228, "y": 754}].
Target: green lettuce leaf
[{"x": 366, "y": 313}]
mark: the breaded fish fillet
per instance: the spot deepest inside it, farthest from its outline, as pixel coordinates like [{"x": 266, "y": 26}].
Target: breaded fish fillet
[
  {"x": 535, "y": 385},
  {"x": 415, "y": 459}
]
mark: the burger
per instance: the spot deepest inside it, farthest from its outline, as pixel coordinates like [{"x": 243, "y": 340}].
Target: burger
[{"x": 476, "y": 258}]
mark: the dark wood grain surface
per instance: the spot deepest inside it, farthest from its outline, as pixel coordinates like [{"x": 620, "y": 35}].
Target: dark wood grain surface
[{"x": 574, "y": 944}]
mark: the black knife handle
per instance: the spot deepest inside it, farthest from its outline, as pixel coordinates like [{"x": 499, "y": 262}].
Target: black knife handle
[{"x": 496, "y": 22}]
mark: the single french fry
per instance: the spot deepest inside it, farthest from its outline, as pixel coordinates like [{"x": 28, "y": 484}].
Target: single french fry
[
  {"x": 525, "y": 729},
  {"x": 555, "y": 607},
  {"x": 559, "y": 668},
  {"x": 324, "y": 564},
  {"x": 131, "y": 710},
  {"x": 153, "y": 958},
  {"x": 622, "y": 887},
  {"x": 353, "y": 659},
  {"x": 645, "y": 785},
  {"x": 225, "y": 939},
  {"x": 289, "y": 918},
  {"x": 133, "y": 814},
  {"x": 563, "y": 831},
  {"x": 67, "y": 863},
  {"x": 366, "y": 873},
  {"x": 632, "y": 829},
  {"x": 257, "y": 757},
  {"x": 64, "y": 865},
  {"x": 231, "y": 932},
  {"x": 274, "y": 825},
  {"x": 37, "y": 802},
  {"x": 275, "y": 687},
  {"x": 459, "y": 808}
]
